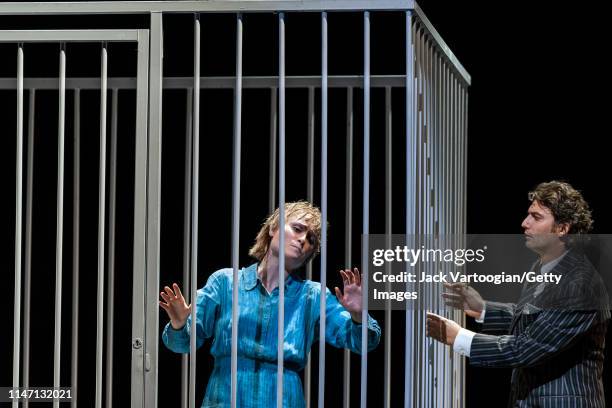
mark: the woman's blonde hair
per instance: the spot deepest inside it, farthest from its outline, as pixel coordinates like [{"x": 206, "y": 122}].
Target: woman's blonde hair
[{"x": 305, "y": 211}]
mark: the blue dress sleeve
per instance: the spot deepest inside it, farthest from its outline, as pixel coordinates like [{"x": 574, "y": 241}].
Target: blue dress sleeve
[
  {"x": 342, "y": 332},
  {"x": 208, "y": 301}
]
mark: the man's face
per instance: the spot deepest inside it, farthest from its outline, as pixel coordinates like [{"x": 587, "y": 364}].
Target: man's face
[
  {"x": 541, "y": 232},
  {"x": 299, "y": 242}
]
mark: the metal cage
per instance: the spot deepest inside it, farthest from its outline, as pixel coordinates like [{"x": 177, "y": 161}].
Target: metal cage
[{"x": 430, "y": 127}]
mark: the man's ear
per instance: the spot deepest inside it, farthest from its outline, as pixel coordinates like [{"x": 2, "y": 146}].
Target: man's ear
[{"x": 562, "y": 229}]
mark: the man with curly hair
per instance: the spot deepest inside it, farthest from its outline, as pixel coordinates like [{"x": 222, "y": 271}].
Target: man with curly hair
[
  {"x": 258, "y": 299},
  {"x": 554, "y": 336}
]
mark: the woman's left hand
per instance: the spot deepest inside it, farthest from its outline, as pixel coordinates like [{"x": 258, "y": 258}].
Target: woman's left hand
[{"x": 351, "y": 299}]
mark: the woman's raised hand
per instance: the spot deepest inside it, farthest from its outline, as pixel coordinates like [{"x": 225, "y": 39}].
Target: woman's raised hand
[
  {"x": 351, "y": 299},
  {"x": 174, "y": 304}
]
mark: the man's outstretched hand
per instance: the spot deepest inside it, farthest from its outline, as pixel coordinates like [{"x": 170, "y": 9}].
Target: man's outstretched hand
[
  {"x": 464, "y": 297},
  {"x": 174, "y": 304},
  {"x": 442, "y": 329}
]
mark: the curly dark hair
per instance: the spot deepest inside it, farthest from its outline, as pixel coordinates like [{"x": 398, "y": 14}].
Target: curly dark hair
[{"x": 566, "y": 204}]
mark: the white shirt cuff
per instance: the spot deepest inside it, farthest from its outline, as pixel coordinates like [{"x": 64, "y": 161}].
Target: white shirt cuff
[
  {"x": 463, "y": 342},
  {"x": 482, "y": 314}
]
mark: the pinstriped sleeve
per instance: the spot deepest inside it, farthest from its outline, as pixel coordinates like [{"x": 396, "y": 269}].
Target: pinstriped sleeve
[
  {"x": 342, "y": 332},
  {"x": 551, "y": 332},
  {"x": 207, "y": 305},
  {"x": 498, "y": 317}
]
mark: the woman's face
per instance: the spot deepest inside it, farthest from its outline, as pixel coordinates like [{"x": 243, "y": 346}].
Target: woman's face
[{"x": 299, "y": 242}]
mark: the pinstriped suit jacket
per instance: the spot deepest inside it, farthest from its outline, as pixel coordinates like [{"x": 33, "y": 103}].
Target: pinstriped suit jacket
[{"x": 554, "y": 341}]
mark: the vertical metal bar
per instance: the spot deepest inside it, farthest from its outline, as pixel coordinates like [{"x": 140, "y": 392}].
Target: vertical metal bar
[
  {"x": 453, "y": 195},
  {"x": 457, "y": 182},
  {"x": 465, "y": 170},
  {"x": 436, "y": 355},
  {"x": 322, "y": 302},
  {"x": 451, "y": 230},
  {"x": 154, "y": 157},
  {"x": 421, "y": 345},
  {"x": 18, "y": 222},
  {"x": 186, "y": 236},
  {"x": 447, "y": 185},
  {"x": 310, "y": 197},
  {"x": 366, "y": 207},
  {"x": 442, "y": 356},
  {"x": 236, "y": 207},
  {"x": 28, "y": 248},
  {"x": 195, "y": 191},
  {"x": 388, "y": 232},
  {"x": 76, "y": 210},
  {"x": 460, "y": 187},
  {"x": 272, "y": 169},
  {"x": 60, "y": 220},
  {"x": 348, "y": 232},
  {"x": 440, "y": 352},
  {"x": 281, "y": 205},
  {"x": 101, "y": 229},
  {"x": 448, "y": 198},
  {"x": 429, "y": 349},
  {"x": 410, "y": 201},
  {"x": 112, "y": 204},
  {"x": 140, "y": 202}
]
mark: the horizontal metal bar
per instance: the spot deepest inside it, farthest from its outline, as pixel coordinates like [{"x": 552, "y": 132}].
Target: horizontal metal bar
[
  {"x": 442, "y": 46},
  {"x": 226, "y": 82},
  {"x": 225, "y": 6},
  {"x": 67, "y": 35},
  {"x": 145, "y": 7}
]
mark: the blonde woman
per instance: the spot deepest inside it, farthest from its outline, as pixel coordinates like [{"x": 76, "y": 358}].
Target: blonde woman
[{"x": 258, "y": 318}]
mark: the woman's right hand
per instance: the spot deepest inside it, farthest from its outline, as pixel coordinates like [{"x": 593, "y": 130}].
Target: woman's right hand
[{"x": 174, "y": 304}]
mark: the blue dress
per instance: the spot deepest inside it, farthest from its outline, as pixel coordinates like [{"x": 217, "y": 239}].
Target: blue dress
[{"x": 257, "y": 336}]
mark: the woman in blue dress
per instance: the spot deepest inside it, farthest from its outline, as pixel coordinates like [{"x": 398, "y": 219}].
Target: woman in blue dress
[{"x": 258, "y": 315}]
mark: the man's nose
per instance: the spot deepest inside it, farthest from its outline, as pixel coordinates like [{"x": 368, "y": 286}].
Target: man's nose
[{"x": 525, "y": 224}]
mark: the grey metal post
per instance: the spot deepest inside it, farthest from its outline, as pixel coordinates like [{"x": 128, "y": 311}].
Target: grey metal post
[
  {"x": 112, "y": 203},
  {"x": 195, "y": 191},
  {"x": 348, "y": 232},
  {"x": 154, "y": 158},
  {"x": 322, "y": 302},
  {"x": 281, "y": 205},
  {"x": 410, "y": 201},
  {"x": 236, "y": 208},
  {"x": 28, "y": 248},
  {"x": 140, "y": 202},
  {"x": 60, "y": 220},
  {"x": 421, "y": 342},
  {"x": 366, "y": 207},
  {"x": 272, "y": 164},
  {"x": 464, "y": 212},
  {"x": 388, "y": 232},
  {"x": 310, "y": 198},
  {"x": 101, "y": 229},
  {"x": 18, "y": 222},
  {"x": 186, "y": 236},
  {"x": 76, "y": 197}
]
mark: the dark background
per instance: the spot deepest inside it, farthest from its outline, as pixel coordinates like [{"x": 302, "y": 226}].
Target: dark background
[{"x": 534, "y": 115}]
